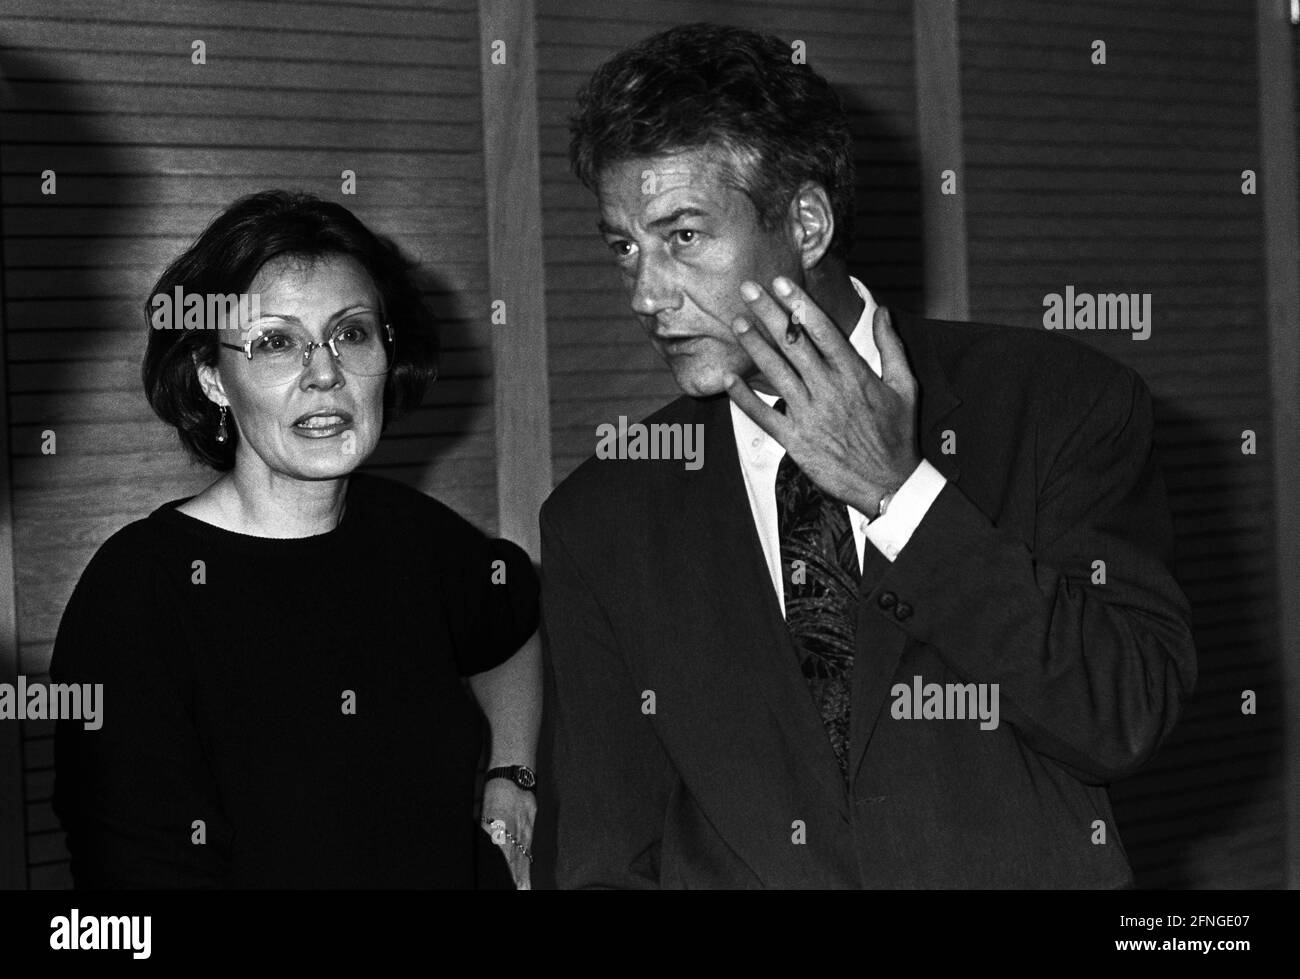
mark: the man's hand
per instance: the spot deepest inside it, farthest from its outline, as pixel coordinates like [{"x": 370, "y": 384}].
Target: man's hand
[{"x": 852, "y": 432}]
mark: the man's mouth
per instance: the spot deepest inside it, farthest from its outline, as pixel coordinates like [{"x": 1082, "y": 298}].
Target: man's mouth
[
  {"x": 322, "y": 424},
  {"x": 680, "y": 343}
]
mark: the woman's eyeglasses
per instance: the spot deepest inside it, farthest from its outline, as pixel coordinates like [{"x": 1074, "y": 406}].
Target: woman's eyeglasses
[{"x": 279, "y": 354}]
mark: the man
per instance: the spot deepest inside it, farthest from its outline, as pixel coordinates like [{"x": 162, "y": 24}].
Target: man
[{"x": 913, "y": 611}]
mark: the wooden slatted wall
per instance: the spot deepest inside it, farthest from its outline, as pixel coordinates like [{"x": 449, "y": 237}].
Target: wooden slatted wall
[
  {"x": 147, "y": 147},
  {"x": 1126, "y": 177},
  {"x": 601, "y": 363},
  {"x": 1123, "y": 177}
]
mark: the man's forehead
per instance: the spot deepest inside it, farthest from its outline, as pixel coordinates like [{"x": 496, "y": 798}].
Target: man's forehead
[{"x": 650, "y": 185}]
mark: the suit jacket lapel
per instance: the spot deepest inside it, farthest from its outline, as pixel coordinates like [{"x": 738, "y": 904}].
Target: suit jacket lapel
[
  {"x": 880, "y": 642},
  {"x": 737, "y": 596}
]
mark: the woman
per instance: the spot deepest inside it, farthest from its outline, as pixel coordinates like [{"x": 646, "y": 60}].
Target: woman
[{"x": 282, "y": 654}]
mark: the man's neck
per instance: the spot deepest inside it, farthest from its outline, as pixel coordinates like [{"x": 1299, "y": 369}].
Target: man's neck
[{"x": 834, "y": 294}]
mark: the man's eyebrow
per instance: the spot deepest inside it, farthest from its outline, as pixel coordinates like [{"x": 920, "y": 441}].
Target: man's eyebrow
[
  {"x": 682, "y": 212},
  {"x": 677, "y": 215}
]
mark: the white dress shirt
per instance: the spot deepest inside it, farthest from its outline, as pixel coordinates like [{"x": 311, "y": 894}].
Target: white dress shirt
[{"x": 760, "y": 455}]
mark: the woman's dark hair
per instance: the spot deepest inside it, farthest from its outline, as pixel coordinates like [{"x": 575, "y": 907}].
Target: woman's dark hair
[
  {"x": 705, "y": 85},
  {"x": 224, "y": 261}
]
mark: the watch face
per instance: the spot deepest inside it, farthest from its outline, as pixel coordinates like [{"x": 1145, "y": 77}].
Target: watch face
[{"x": 525, "y": 777}]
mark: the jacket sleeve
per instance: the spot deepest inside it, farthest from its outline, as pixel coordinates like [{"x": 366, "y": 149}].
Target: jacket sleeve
[
  {"x": 1091, "y": 674},
  {"x": 608, "y": 775},
  {"x": 129, "y": 793}
]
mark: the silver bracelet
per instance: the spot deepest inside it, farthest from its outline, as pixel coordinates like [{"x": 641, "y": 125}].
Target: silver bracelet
[{"x": 501, "y": 836}]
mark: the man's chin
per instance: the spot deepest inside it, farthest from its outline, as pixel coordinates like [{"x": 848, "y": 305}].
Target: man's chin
[
  {"x": 703, "y": 384},
  {"x": 701, "y": 378}
]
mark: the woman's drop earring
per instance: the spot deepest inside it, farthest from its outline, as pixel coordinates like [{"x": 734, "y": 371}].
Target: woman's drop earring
[{"x": 222, "y": 434}]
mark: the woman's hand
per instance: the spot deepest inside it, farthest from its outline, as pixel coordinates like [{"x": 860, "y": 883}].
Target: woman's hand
[{"x": 516, "y": 808}]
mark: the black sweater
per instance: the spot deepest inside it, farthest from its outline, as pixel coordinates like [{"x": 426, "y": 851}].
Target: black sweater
[{"x": 297, "y": 704}]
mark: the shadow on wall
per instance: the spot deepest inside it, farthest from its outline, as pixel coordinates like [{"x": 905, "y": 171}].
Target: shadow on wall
[
  {"x": 887, "y": 253},
  {"x": 67, "y": 255},
  {"x": 1177, "y": 829},
  {"x": 64, "y": 256},
  {"x": 454, "y": 405}
]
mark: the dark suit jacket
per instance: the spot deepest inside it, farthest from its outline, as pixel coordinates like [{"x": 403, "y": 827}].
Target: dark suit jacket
[{"x": 654, "y": 580}]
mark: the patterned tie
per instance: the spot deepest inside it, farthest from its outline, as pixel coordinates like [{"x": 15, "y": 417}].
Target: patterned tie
[{"x": 821, "y": 593}]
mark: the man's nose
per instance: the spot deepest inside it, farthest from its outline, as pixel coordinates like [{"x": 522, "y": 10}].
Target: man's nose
[{"x": 655, "y": 289}]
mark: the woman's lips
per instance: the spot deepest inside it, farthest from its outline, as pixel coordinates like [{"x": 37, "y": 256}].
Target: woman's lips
[{"x": 322, "y": 425}]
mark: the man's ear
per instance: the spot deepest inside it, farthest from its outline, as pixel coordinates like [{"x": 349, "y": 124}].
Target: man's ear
[
  {"x": 812, "y": 223},
  {"x": 209, "y": 381}
]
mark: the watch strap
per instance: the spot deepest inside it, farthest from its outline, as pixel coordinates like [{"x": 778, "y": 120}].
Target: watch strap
[{"x": 521, "y": 775}]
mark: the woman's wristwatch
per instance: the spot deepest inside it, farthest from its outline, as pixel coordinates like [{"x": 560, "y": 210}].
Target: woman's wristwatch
[{"x": 521, "y": 775}]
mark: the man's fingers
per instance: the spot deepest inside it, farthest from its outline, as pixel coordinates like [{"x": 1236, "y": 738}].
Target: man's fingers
[
  {"x": 894, "y": 371},
  {"x": 768, "y": 419},
  {"x": 820, "y": 329},
  {"x": 771, "y": 364},
  {"x": 785, "y": 334}
]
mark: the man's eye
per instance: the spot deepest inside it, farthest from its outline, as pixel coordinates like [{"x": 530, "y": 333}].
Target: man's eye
[
  {"x": 686, "y": 236},
  {"x": 621, "y": 249}
]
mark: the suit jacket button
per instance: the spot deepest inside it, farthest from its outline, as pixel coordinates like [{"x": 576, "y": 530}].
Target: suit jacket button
[
  {"x": 887, "y": 599},
  {"x": 902, "y": 611}
]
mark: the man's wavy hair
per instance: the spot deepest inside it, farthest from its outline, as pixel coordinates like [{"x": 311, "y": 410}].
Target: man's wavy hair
[
  {"x": 225, "y": 259},
  {"x": 707, "y": 86}
]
